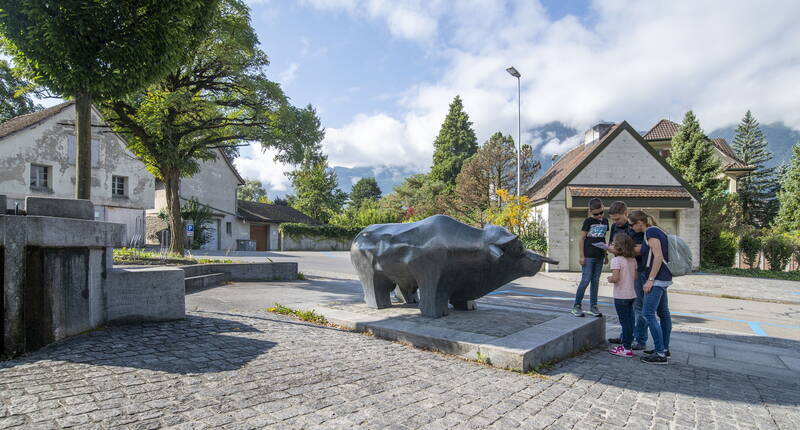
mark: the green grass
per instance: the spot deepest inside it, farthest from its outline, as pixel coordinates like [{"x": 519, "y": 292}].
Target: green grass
[
  {"x": 137, "y": 256},
  {"x": 301, "y": 276},
  {"x": 483, "y": 358},
  {"x": 753, "y": 273},
  {"x": 308, "y": 316}
]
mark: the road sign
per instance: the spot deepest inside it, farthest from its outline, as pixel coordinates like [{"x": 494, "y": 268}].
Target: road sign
[{"x": 190, "y": 229}]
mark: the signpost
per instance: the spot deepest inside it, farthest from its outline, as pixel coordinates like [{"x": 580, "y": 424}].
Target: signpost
[{"x": 189, "y": 230}]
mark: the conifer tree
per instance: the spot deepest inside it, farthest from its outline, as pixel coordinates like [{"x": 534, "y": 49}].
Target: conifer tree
[
  {"x": 756, "y": 191},
  {"x": 692, "y": 155},
  {"x": 788, "y": 218},
  {"x": 455, "y": 143}
]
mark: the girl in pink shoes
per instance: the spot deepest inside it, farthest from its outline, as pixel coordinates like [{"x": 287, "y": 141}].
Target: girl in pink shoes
[{"x": 623, "y": 275}]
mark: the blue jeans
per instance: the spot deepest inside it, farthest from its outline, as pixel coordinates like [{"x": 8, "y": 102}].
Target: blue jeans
[
  {"x": 626, "y": 320},
  {"x": 640, "y": 324},
  {"x": 656, "y": 303},
  {"x": 590, "y": 273}
]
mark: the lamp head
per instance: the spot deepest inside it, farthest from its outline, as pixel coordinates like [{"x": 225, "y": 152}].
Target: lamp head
[{"x": 513, "y": 72}]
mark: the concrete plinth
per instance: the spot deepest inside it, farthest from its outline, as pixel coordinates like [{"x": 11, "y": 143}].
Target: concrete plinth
[{"x": 509, "y": 338}]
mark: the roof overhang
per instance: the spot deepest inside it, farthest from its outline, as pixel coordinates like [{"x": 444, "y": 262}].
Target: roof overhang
[{"x": 638, "y": 196}]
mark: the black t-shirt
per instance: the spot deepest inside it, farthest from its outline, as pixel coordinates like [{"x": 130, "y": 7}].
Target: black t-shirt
[
  {"x": 596, "y": 230},
  {"x": 638, "y": 238}
]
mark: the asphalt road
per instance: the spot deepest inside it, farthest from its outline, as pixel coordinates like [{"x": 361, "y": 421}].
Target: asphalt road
[{"x": 737, "y": 317}]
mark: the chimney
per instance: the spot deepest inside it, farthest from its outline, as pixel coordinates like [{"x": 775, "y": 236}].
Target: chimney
[{"x": 596, "y": 132}]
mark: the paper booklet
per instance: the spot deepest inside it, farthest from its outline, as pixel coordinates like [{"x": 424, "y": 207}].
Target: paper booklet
[{"x": 601, "y": 245}]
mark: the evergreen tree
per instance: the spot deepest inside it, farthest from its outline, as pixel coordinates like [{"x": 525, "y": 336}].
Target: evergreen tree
[
  {"x": 365, "y": 189},
  {"x": 455, "y": 143},
  {"x": 788, "y": 218},
  {"x": 253, "y": 190},
  {"x": 692, "y": 155},
  {"x": 756, "y": 191},
  {"x": 316, "y": 188},
  {"x": 13, "y": 100}
]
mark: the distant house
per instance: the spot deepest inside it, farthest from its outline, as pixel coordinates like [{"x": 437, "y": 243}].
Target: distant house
[
  {"x": 37, "y": 158},
  {"x": 660, "y": 138},
  {"x": 613, "y": 163},
  {"x": 264, "y": 220}
]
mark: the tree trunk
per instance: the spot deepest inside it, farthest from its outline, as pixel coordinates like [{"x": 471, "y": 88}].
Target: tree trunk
[
  {"x": 83, "y": 150},
  {"x": 172, "y": 183}
]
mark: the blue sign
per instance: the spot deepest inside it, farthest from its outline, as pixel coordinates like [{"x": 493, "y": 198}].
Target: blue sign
[{"x": 190, "y": 228}]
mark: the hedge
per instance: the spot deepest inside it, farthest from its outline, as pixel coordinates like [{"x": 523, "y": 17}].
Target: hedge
[{"x": 319, "y": 231}]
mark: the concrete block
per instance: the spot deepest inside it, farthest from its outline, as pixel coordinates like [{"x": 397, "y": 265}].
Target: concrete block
[
  {"x": 3, "y": 203},
  {"x": 145, "y": 294},
  {"x": 246, "y": 271},
  {"x": 59, "y": 208}
]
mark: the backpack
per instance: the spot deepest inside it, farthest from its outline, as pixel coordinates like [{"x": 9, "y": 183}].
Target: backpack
[{"x": 680, "y": 256}]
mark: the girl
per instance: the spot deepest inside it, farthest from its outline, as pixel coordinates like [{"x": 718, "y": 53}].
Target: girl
[
  {"x": 654, "y": 252},
  {"x": 623, "y": 269}
]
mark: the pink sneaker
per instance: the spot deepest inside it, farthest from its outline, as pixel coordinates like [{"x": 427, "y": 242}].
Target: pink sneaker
[{"x": 621, "y": 351}]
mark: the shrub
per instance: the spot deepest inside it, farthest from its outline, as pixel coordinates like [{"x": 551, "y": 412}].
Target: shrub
[
  {"x": 721, "y": 251},
  {"x": 319, "y": 231},
  {"x": 777, "y": 251},
  {"x": 750, "y": 246}
]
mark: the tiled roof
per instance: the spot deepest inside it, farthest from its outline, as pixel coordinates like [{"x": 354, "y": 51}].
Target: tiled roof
[
  {"x": 664, "y": 130},
  {"x": 24, "y": 121},
  {"x": 628, "y": 191},
  {"x": 563, "y": 167},
  {"x": 263, "y": 212}
]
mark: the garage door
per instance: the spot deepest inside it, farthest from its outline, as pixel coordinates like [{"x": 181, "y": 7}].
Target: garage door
[{"x": 212, "y": 233}]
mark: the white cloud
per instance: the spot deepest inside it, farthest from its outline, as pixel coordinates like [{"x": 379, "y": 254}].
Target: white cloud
[
  {"x": 288, "y": 75},
  {"x": 261, "y": 165},
  {"x": 639, "y": 62}
]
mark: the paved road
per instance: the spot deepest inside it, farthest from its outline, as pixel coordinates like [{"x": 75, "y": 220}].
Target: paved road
[
  {"x": 738, "y": 317},
  {"x": 240, "y": 371}
]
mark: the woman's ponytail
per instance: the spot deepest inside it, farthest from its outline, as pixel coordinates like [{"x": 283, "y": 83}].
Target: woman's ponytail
[{"x": 636, "y": 216}]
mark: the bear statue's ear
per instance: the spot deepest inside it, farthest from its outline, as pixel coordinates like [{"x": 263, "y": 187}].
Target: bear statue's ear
[{"x": 495, "y": 252}]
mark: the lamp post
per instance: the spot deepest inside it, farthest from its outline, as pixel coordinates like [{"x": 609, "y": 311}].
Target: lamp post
[{"x": 513, "y": 72}]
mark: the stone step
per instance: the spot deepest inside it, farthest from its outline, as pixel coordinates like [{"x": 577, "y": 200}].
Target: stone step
[
  {"x": 197, "y": 270},
  {"x": 204, "y": 281}
]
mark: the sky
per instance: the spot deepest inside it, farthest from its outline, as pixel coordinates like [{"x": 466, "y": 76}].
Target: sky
[{"x": 381, "y": 73}]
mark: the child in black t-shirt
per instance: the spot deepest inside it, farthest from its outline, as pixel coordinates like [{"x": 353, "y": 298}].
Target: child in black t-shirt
[{"x": 592, "y": 258}]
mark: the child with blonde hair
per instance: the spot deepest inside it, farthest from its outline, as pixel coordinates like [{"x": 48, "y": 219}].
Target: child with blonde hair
[{"x": 623, "y": 276}]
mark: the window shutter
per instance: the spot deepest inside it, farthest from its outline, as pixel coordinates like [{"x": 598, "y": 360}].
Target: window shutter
[{"x": 71, "y": 149}]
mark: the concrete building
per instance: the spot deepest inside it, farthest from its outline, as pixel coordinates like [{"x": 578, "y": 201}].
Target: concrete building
[
  {"x": 37, "y": 158},
  {"x": 214, "y": 185},
  {"x": 613, "y": 163},
  {"x": 660, "y": 138},
  {"x": 263, "y": 220}
]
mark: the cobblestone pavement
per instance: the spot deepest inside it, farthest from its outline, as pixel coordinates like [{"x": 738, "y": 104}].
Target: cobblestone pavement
[{"x": 217, "y": 370}]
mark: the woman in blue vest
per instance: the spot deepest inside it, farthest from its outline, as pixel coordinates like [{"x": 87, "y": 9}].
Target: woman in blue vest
[{"x": 655, "y": 252}]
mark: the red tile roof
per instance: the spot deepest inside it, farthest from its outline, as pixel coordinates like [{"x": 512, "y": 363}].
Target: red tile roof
[
  {"x": 666, "y": 129},
  {"x": 24, "y": 121},
  {"x": 628, "y": 191}
]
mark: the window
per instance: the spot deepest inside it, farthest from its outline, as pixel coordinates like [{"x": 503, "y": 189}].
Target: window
[
  {"x": 118, "y": 186},
  {"x": 228, "y": 228},
  {"x": 668, "y": 215},
  {"x": 40, "y": 177}
]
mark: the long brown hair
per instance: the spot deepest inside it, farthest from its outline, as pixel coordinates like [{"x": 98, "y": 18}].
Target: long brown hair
[
  {"x": 636, "y": 216},
  {"x": 624, "y": 245}
]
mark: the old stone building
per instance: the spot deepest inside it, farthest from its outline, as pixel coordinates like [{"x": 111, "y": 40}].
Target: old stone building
[
  {"x": 37, "y": 158},
  {"x": 613, "y": 163}
]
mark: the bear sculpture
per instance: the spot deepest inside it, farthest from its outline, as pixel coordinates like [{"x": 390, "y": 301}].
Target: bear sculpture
[{"x": 442, "y": 259}]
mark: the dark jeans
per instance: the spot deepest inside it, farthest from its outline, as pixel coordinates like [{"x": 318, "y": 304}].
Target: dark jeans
[
  {"x": 590, "y": 273},
  {"x": 656, "y": 303},
  {"x": 640, "y": 324},
  {"x": 626, "y": 320}
]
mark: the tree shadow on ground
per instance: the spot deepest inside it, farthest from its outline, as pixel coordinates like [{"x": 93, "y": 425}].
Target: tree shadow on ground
[{"x": 195, "y": 344}]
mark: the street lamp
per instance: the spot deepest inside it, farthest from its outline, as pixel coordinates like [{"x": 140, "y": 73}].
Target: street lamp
[{"x": 513, "y": 72}]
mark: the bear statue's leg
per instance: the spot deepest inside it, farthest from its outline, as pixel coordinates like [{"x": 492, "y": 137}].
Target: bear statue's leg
[
  {"x": 377, "y": 291},
  {"x": 464, "y": 305},
  {"x": 433, "y": 298},
  {"x": 406, "y": 292}
]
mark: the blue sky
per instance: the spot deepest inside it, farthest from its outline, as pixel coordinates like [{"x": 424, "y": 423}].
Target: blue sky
[{"x": 381, "y": 73}]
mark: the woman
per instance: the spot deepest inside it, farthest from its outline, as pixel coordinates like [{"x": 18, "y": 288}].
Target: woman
[{"x": 654, "y": 252}]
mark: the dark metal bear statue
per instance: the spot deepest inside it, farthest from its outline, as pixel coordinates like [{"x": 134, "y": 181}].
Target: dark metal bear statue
[{"x": 444, "y": 259}]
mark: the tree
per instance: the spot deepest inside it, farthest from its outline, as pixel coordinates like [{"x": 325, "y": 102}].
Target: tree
[
  {"x": 418, "y": 197},
  {"x": 756, "y": 192},
  {"x": 97, "y": 49},
  {"x": 366, "y": 189},
  {"x": 455, "y": 143},
  {"x": 316, "y": 188},
  {"x": 252, "y": 191},
  {"x": 492, "y": 168},
  {"x": 692, "y": 155},
  {"x": 219, "y": 98},
  {"x": 13, "y": 102},
  {"x": 788, "y": 218}
]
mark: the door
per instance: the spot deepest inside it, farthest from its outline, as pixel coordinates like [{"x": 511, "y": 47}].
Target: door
[
  {"x": 259, "y": 234},
  {"x": 668, "y": 221},
  {"x": 575, "y": 225},
  {"x": 212, "y": 235}
]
